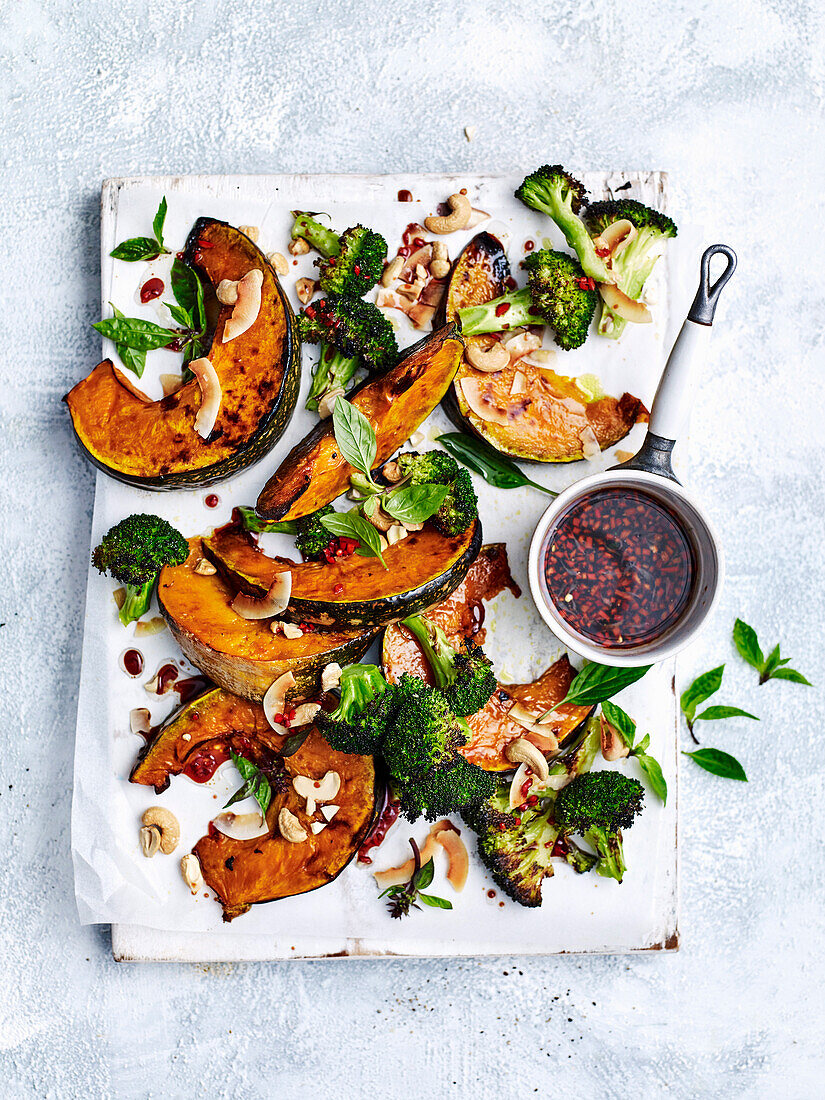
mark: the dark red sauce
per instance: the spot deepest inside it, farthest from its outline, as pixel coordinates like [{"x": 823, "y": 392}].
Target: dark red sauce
[
  {"x": 529, "y": 246},
  {"x": 405, "y": 196},
  {"x": 491, "y": 894},
  {"x": 202, "y": 765},
  {"x": 132, "y": 662},
  {"x": 619, "y": 567},
  {"x": 189, "y": 687},
  {"x": 386, "y": 819},
  {"x": 151, "y": 289},
  {"x": 212, "y": 500}
]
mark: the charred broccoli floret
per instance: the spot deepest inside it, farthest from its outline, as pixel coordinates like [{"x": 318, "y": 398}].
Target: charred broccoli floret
[
  {"x": 359, "y": 722},
  {"x": 425, "y": 733},
  {"x": 465, "y": 676},
  {"x": 557, "y": 293},
  {"x": 134, "y": 551},
  {"x": 554, "y": 192},
  {"x": 431, "y": 468},
  {"x": 460, "y": 507},
  {"x": 633, "y": 263},
  {"x": 445, "y": 791},
  {"x": 598, "y": 806},
  {"x": 352, "y": 263},
  {"x": 311, "y": 537}
]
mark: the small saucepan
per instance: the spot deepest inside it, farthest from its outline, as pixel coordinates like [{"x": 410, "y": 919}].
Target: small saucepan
[{"x": 625, "y": 566}]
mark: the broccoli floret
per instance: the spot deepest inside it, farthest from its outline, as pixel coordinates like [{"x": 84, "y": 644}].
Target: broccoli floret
[
  {"x": 598, "y": 806},
  {"x": 554, "y": 192},
  {"x": 311, "y": 537},
  {"x": 359, "y": 722},
  {"x": 333, "y": 371},
  {"x": 459, "y": 508},
  {"x": 431, "y": 468},
  {"x": 445, "y": 791},
  {"x": 352, "y": 263},
  {"x": 425, "y": 733},
  {"x": 134, "y": 551},
  {"x": 558, "y": 293},
  {"x": 466, "y": 678},
  {"x": 515, "y": 846},
  {"x": 632, "y": 264}
]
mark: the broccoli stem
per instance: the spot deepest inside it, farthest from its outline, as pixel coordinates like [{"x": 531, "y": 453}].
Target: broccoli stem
[
  {"x": 360, "y": 684},
  {"x": 611, "y": 853},
  {"x": 492, "y": 317},
  {"x": 438, "y": 651},
  {"x": 332, "y": 371},
  {"x": 322, "y": 239},
  {"x": 580, "y": 860},
  {"x": 632, "y": 268},
  {"x": 136, "y": 603}
]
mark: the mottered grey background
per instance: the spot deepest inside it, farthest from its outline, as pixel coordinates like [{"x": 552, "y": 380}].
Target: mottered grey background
[{"x": 728, "y": 98}]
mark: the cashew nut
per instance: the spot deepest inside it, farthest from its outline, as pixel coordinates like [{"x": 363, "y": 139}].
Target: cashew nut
[
  {"x": 523, "y": 751},
  {"x": 392, "y": 471},
  {"x": 227, "y": 292},
  {"x": 318, "y": 790},
  {"x": 251, "y": 231},
  {"x": 396, "y": 533},
  {"x": 205, "y": 568},
  {"x": 331, "y": 676},
  {"x": 190, "y": 868},
  {"x": 167, "y": 825},
  {"x": 461, "y": 212},
  {"x": 278, "y": 261},
  {"x": 440, "y": 263},
  {"x": 327, "y": 402},
  {"x": 613, "y": 745},
  {"x": 298, "y": 247},
  {"x": 292, "y": 631},
  {"x": 290, "y": 827},
  {"x": 304, "y": 288},
  {"x": 149, "y": 840},
  {"x": 380, "y": 519},
  {"x": 490, "y": 359},
  {"x": 392, "y": 271}
]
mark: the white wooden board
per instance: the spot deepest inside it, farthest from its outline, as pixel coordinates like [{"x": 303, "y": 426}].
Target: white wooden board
[{"x": 153, "y": 916}]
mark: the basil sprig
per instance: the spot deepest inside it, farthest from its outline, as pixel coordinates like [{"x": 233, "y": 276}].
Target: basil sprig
[
  {"x": 772, "y": 667},
  {"x": 145, "y": 248},
  {"x": 698, "y": 692},
  {"x": 718, "y": 763},
  {"x": 625, "y": 727},
  {"x": 255, "y": 783},
  {"x": 406, "y": 896},
  {"x": 414, "y": 503},
  {"x": 497, "y": 469},
  {"x": 354, "y": 436},
  {"x": 352, "y": 525},
  {"x": 597, "y": 683},
  {"x": 134, "y": 332}
]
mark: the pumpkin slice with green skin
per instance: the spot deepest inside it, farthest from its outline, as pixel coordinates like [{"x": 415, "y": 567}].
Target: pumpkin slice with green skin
[
  {"x": 395, "y": 403},
  {"x": 540, "y": 416},
  {"x": 245, "y": 872},
  {"x": 243, "y": 655},
  {"x": 356, "y": 592},
  {"x": 153, "y": 444},
  {"x": 491, "y": 728}
]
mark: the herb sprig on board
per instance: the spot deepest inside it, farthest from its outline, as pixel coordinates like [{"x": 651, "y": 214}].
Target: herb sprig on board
[
  {"x": 405, "y": 897},
  {"x": 624, "y": 726},
  {"x": 259, "y": 783},
  {"x": 145, "y": 248},
  {"x": 702, "y": 688},
  {"x": 772, "y": 667}
]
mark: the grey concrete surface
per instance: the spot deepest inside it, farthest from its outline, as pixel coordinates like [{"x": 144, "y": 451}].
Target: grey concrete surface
[{"x": 727, "y": 97}]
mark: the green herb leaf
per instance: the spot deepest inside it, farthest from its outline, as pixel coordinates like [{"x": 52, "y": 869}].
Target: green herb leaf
[
  {"x": 354, "y": 436},
  {"x": 434, "y": 902},
  {"x": 181, "y": 316},
  {"x": 415, "y": 503},
  {"x": 294, "y": 742},
  {"x": 252, "y": 522},
  {"x": 596, "y": 683},
  {"x": 136, "y": 248},
  {"x": 159, "y": 219},
  {"x": 653, "y": 770},
  {"x": 132, "y": 358},
  {"x": 790, "y": 674},
  {"x": 747, "y": 644},
  {"x": 621, "y": 722},
  {"x": 132, "y": 332},
  {"x": 478, "y": 456},
  {"x": 255, "y": 784},
  {"x": 423, "y": 876},
  {"x": 718, "y": 763},
  {"x": 353, "y": 526},
  {"x": 702, "y": 688},
  {"x": 772, "y": 661},
  {"x": 188, "y": 292},
  {"x": 642, "y": 746},
  {"x": 713, "y": 713}
]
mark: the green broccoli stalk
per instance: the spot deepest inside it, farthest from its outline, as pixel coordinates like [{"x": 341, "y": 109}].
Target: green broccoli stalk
[
  {"x": 598, "y": 806},
  {"x": 558, "y": 293},
  {"x": 560, "y": 196},
  {"x": 359, "y": 722},
  {"x": 632, "y": 264},
  {"x": 466, "y": 678},
  {"x": 352, "y": 263},
  {"x": 134, "y": 551},
  {"x": 353, "y": 333}
]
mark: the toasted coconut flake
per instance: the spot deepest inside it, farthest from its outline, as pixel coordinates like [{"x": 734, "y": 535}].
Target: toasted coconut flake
[
  {"x": 459, "y": 860},
  {"x": 476, "y": 395},
  {"x": 421, "y": 315},
  {"x": 623, "y": 306},
  {"x": 619, "y": 235},
  {"x": 613, "y": 744},
  {"x": 395, "y": 876},
  {"x": 304, "y": 714},
  {"x": 248, "y": 306},
  {"x": 170, "y": 383},
  {"x": 151, "y": 626},
  {"x": 421, "y": 257},
  {"x": 119, "y": 596},
  {"x": 275, "y": 602},
  {"x": 476, "y": 218},
  {"x": 211, "y": 396},
  {"x": 517, "y": 796},
  {"x": 274, "y": 701},
  {"x": 519, "y": 384},
  {"x": 241, "y": 826},
  {"x": 590, "y": 444},
  {"x": 139, "y": 721}
]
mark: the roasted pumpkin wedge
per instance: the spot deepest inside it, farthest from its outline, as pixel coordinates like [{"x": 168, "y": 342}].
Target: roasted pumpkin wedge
[
  {"x": 352, "y": 593},
  {"x": 395, "y": 403},
  {"x": 244, "y": 872},
  {"x": 462, "y": 616},
  {"x": 523, "y": 409},
  {"x": 243, "y": 655},
  {"x": 153, "y": 444}
]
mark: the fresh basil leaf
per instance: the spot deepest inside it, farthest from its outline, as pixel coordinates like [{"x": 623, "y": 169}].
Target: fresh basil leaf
[
  {"x": 263, "y": 793},
  {"x": 596, "y": 683},
  {"x": 718, "y": 763},
  {"x": 136, "y": 248},
  {"x": 132, "y": 358},
  {"x": 200, "y": 310},
  {"x": 415, "y": 503},
  {"x": 790, "y": 674},
  {"x": 252, "y": 522},
  {"x": 353, "y": 526},
  {"x": 247, "y": 769},
  {"x": 702, "y": 688},
  {"x": 423, "y": 876},
  {"x": 135, "y": 333},
  {"x": 772, "y": 661},
  {"x": 294, "y": 742},
  {"x": 641, "y": 748},
  {"x": 653, "y": 771},
  {"x": 159, "y": 219},
  {"x": 712, "y": 713},
  {"x": 185, "y": 285},
  {"x": 434, "y": 902},
  {"x": 354, "y": 436},
  {"x": 621, "y": 722},
  {"x": 478, "y": 456},
  {"x": 181, "y": 316},
  {"x": 747, "y": 645},
  {"x": 242, "y": 792}
]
